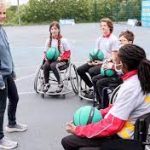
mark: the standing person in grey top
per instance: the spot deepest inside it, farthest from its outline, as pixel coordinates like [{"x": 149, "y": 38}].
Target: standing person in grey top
[{"x": 7, "y": 87}]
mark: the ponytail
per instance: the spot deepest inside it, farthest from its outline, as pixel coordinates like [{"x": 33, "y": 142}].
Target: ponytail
[
  {"x": 134, "y": 57},
  {"x": 144, "y": 75}
]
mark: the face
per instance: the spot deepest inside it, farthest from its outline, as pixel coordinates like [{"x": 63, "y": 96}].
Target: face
[
  {"x": 124, "y": 41},
  {"x": 118, "y": 63},
  {"x": 54, "y": 31},
  {"x": 120, "y": 67},
  {"x": 104, "y": 28},
  {"x": 2, "y": 13}
]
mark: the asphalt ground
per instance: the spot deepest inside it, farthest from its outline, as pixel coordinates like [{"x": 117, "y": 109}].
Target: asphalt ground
[{"x": 46, "y": 118}]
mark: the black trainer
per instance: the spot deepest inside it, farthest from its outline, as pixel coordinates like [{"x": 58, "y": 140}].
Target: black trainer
[
  {"x": 59, "y": 88},
  {"x": 46, "y": 87}
]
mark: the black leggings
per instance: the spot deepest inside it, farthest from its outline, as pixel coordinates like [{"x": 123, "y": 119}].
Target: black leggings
[
  {"x": 91, "y": 70},
  {"x": 100, "y": 82},
  {"x": 55, "y": 67}
]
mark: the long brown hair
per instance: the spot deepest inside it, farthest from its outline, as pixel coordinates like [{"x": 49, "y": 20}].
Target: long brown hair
[{"x": 56, "y": 24}]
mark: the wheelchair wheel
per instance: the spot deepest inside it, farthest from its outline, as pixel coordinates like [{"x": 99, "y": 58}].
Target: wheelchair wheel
[
  {"x": 74, "y": 78},
  {"x": 39, "y": 81}
]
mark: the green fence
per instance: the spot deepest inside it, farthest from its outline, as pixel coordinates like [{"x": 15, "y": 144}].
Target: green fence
[
  {"x": 38, "y": 11},
  {"x": 117, "y": 10}
]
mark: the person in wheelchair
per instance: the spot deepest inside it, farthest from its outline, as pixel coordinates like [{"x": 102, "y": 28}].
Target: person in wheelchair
[
  {"x": 107, "y": 43},
  {"x": 57, "y": 43},
  {"x": 131, "y": 102},
  {"x": 109, "y": 75}
]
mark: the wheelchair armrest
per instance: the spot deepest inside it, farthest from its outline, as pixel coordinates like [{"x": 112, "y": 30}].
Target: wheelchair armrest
[{"x": 142, "y": 129}]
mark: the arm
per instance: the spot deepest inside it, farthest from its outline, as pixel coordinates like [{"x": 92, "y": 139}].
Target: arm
[
  {"x": 45, "y": 49},
  {"x": 114, "y": 49},
  {"x": 66, "y": 53},
  {"x": 106, "y": 110},
  {"x": 106, "y": 127},
  {"x": 46, "y": 45}
]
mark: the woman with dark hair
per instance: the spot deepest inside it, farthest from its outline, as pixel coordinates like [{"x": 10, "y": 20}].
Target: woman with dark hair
[
  {"x": 131, "y": 102},
  {"x": 56, "y": 40}
]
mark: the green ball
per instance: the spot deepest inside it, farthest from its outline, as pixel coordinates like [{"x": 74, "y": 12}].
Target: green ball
[
  {"x": 100, "y": 55},
  {"x": 90, "y": 57},
  {"x": 52, "y": 53},
  {"x": 108, "y": 72},
  {"x": 57, "y": 54},
  {"x": 96, "y": 55},
  {"x": 86, "y": 115}
]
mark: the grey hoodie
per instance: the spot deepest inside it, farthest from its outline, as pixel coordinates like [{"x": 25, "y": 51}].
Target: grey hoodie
[{"x": 6, "y": 61}]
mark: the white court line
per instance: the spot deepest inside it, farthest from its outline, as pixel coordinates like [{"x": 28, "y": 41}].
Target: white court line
[
  {"x": 25, "y": 77},
  {"x": 25, "y": 67},
  {"x": 24, "y": 93}
]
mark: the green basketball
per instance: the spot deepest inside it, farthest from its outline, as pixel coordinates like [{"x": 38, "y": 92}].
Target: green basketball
[
  {"x": 57, "y": 54},
  {"x": 96, "y": 55},
  {"x": 108, "y": 72},
  {"x": 100, "y": 55},
  {"x": 52, "y": 53},
  {"x": 86, "y": 115}
]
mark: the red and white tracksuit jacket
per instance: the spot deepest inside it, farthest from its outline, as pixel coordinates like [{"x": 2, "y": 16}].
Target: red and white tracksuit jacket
[{"x": 108, "y": 126}]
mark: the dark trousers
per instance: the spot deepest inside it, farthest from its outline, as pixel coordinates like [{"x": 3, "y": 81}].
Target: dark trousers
[
  {"x": 91, "y": 70},
  {"x": 100, "y": 82},
  {"x": 13, "y": 100},
  {"x": 3, "y": 97},
  {"x": 73, "y": 142},
  {"x": 12, "y": 93},
  {"x": 55, "y": 67}
]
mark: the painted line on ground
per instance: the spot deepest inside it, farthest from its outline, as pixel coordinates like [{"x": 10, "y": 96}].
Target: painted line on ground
[
  {"x": 26, "y": 93},
  {"x": 25, "y": 77}
]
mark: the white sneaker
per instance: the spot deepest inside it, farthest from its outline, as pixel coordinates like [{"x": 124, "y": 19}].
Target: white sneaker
[
  {"x": 5, "y": 143},
  {"x": 16, "y": 128}
]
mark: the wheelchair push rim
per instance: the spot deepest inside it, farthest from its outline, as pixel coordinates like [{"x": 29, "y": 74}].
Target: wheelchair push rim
[{"x": 74, "y": 78}]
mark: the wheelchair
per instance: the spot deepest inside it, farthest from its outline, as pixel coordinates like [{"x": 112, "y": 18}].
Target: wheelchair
[
  {"x": 68, "y": 76},
  {"x": 84, "y": 89}
]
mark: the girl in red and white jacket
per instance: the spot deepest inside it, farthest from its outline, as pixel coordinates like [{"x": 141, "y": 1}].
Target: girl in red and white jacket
[
  {"x": 132, "y": 101},
  {"x": 56, "y": 40}
]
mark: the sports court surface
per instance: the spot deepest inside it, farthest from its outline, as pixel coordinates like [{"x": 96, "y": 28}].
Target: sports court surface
[{"x": 46, "y": 117}]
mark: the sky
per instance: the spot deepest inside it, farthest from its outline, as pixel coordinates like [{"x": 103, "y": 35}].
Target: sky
[{"x": 14, "y": 2}]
